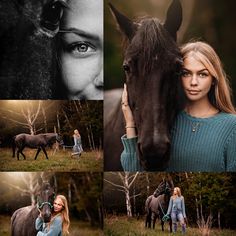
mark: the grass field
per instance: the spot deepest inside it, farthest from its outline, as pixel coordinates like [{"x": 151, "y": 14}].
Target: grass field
[
  {"x": 60, "y": 161},
  {"x": 121, "y": 226},
  {"x": 76, "y": 228}
]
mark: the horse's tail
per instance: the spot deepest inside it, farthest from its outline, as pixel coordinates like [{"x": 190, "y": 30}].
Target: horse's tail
[{"x": 13, "y": 146}]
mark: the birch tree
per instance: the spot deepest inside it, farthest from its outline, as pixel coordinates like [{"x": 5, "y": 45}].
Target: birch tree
[{"x": 127, "y": 180}]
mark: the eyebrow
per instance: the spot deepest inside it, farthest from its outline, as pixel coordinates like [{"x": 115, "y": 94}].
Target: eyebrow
[
  {"x": 80, "y": 33},
  {"x": 197, "y": 71}
]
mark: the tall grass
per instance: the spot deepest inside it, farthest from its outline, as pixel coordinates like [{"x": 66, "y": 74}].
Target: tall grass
[
  {"x": 60, "y": 161},
  {"x": 122, "y": 226}
]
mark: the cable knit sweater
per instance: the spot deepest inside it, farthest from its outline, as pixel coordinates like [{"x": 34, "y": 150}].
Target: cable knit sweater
[
  {"x": 177, "y": 204},
  {"x": 211, "y": 147}
]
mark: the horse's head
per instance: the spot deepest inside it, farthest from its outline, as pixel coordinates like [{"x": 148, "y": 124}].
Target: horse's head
[
  {"x": 152, "y": 62},
  {"x": 45, "y": 199},
  {"x": 59, "y": 139},
  {"x": 165, "y": 187}
]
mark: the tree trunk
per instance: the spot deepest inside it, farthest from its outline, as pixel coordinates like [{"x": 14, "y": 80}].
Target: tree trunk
[{"x": 219, "y": 223}]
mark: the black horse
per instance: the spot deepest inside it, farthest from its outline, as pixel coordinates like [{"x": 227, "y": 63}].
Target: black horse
[
  {"x": 152, "y": 64},
  {"x": 39, "y": 141},
  {"x": 156, "y": 205},
  {"x": 27, "y": 52},
  {"x": 23, "y": 219}
]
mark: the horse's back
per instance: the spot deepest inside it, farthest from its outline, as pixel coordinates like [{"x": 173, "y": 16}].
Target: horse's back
[
  {"x": 113, "y": 130},
  {"x": 23, "y": 222}
]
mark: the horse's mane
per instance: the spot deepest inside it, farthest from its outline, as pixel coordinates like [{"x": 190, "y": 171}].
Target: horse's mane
[{"x": 151, "y": 45}]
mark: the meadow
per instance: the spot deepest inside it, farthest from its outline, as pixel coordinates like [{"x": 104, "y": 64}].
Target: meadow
[
  {"x": 60, "y": 161},
  {"x": 122, "y": 226},
  {"x": 76, "y": 228}
]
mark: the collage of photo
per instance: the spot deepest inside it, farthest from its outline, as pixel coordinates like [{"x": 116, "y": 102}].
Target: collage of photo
[{"x": 117, "y": 118}]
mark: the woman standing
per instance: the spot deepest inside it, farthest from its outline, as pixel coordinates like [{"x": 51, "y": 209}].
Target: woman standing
[
  {"x": 59, "y": 223},
  {"x": 203, "y": 135},
  {"x": 77, "y": 148},
  {"x": 176, "y": 210}
]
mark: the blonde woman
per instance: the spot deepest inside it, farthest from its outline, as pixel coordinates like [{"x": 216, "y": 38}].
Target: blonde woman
[
  {"x": 176, "y": 210},
  {"x": 59, "y": 223},
  {"x": 203, "y": 135},
  {"x": 77, "y": 148}
]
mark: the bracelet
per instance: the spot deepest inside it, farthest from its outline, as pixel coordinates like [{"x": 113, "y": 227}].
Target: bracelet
[{"x": 130, "y": 127}]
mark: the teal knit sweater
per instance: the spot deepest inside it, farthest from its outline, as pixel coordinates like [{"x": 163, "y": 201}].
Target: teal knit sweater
[{"x": 211, "y": 147}]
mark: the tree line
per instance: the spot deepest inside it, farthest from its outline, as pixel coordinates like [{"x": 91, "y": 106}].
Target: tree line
[{"x": 209, "y": 197}]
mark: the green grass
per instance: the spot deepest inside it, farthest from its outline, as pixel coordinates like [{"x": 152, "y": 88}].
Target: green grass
[
  {"x": 122, "y": 226},
  {"x": 60, "y": 161},
  {"x": 76, "y": 228}
]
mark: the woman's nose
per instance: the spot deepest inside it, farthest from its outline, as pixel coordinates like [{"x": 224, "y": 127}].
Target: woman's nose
[
  {"x": 98, "y": 81},
  {"x": 194, "y": 80}
]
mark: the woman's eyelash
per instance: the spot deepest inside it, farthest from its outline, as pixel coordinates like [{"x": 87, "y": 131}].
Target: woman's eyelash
[{"x": 80, "y": 47}]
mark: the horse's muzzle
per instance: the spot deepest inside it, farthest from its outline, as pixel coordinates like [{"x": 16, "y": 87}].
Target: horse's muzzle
[{"x": 154, "y": 157}]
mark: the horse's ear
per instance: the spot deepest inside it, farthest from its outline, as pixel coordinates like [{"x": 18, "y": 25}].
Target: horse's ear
[
  {"x": 124, "y": 23},
  {"x": 174, "y": 18}
]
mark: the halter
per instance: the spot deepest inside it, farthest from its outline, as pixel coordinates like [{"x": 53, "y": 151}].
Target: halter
[{"x": 44, "y": 203}]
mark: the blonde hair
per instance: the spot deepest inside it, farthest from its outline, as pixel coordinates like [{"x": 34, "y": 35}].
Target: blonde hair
[
  {"x": 64, "y": 215},
  {"x": 178, "y": 192},
  {"x": 220, "y": 93}
]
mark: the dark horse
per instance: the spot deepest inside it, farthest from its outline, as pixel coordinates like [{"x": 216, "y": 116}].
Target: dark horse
[
  {"x": 39, "y": 141},
  {"x": 152, "y": 64},
  {"x": 156, "y": 205},
  {"x": 23, "y": 219},
  {"x": 27, "y": 51}
]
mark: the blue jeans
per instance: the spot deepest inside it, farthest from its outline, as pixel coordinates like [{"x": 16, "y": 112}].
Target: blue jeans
[{"x": 177, "y": 215}]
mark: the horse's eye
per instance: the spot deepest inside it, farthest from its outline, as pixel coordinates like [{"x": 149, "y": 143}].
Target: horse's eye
[{"x": 126, "y": 68}]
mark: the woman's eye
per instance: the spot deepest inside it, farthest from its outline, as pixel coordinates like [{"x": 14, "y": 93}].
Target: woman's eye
[
  {"x": 185, "y": 74},
  {"x": 203, "y": 75},
  {"x": 81, "y": 49}
]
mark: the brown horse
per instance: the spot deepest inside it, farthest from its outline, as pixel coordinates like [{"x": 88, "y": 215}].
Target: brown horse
[
  {"x": 39, "y": 141},
  {"x": 152, "y": 64},
  {"x": 23, "y": 219}
]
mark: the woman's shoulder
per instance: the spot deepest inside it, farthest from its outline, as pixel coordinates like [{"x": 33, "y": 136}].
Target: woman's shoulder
[{"x": 58, "y": 219}]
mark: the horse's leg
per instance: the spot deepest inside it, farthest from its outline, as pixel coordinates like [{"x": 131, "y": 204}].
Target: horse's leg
[
  {"x": 162, "y": 225},
  {"x": 44, "y": 150},
  {"x": 154, "y": 220},
  {"x": 39, "y": 149},
  {"x": 170, "y": 223},
  {"x": 148, "y": 219}
]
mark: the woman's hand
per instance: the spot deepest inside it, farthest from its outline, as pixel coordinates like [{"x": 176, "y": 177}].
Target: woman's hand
[{"x": 128, "y": 115}]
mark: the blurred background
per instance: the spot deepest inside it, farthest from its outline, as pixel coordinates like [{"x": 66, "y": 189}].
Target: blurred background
[
  {"x": 210, "y": 20},
  {"x": 82, "y": 190}
]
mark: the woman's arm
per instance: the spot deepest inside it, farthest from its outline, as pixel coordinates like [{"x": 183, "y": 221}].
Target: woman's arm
[
  {"x": 170, "y": 206},
  {"x": 183, "y": 207},
  {"x": 39, "y": 223},
  {"x": 129, "y": 119},
  {"x": 230, "y": 162},
  {"x": 55, "y": 228}
]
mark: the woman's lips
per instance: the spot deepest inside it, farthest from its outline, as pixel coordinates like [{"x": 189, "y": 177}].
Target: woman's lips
[{"x": 193, "y": 92}]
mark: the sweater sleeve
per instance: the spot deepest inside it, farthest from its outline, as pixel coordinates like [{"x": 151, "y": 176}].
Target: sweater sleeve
[
  {"x": 230, "y": 160},
  {"x": 55, "y": 228},
  {"x": 39, "y": 223},
  {"x": 170, "y": 206},
  {"x": 183, "y": 207},
  {"x": 129, "y": 159}
]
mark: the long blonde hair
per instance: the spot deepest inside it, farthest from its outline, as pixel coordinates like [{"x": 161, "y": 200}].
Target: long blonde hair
[
  {"x": 64, "y": 215},
  {"x": 178, "y": 192},
  {"x": 220, "y": 93}
]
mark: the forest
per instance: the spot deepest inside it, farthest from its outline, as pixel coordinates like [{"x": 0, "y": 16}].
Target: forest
[
  {"x": 209, "y": 197},
  {"x": 43, "y": 116},
  {"x": 82, "y": 190}
]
